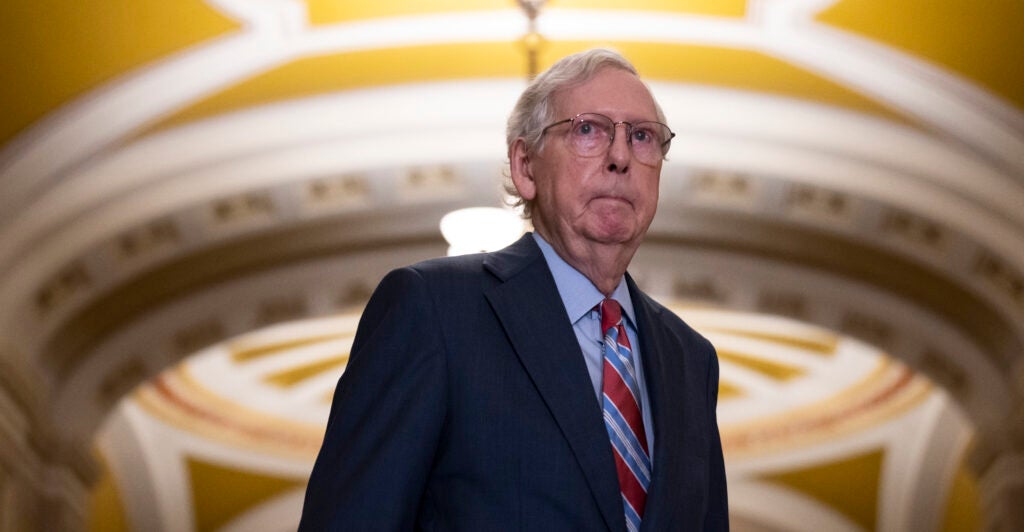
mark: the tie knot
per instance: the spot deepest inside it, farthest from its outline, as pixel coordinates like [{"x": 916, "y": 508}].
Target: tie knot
[{"x": 611, "y": 314}]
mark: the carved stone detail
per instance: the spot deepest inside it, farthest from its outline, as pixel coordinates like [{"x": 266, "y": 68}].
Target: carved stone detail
[
  {"x": 151, "y": 237},
  {"x": 72, "y": 280},
  {"x": 1001, "y": 276},
  {"x": 243, "y": 208},
  {"x": 337, "y": 191}
]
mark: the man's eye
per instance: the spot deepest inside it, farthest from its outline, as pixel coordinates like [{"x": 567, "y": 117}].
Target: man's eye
[
  {"x": 642, "y": 135},
  {"x": 585, "y": 128}
]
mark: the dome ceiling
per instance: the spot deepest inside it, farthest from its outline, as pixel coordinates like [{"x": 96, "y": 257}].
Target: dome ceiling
[
  {"x": 111, "y": 40},
  {"x": 175, "y": 175}
]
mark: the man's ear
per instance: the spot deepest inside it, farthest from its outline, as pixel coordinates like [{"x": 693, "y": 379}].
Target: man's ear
[{"x": 521, "y": 171}]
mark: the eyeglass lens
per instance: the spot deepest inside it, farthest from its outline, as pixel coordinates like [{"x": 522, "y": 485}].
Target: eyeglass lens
[{"x": 592, "y": 135}]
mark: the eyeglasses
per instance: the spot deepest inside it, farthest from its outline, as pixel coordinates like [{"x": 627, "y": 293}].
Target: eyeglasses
[{"x": 591, "y": 134}]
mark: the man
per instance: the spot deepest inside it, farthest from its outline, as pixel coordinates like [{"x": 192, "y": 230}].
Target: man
[{"x": 535, "y": 388}]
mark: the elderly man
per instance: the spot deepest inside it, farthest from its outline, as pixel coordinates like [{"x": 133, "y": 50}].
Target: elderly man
[{"x": 535, "y": 388}]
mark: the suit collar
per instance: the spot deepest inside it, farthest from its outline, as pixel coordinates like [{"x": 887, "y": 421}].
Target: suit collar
[
  {"x": 659, "y": 351},
  {"x": 529, "y": 308},
  {"x": 578, "y": 293},
  {"x": 506, "y": 263}
]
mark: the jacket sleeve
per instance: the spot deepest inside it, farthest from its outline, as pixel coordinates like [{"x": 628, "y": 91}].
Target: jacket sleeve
[
  {"x": 386, "y": 416},
  {"x": 717, "y": 518}
]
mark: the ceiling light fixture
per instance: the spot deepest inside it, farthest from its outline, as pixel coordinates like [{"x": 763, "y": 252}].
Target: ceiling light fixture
[{"x": 479, "y": 229}]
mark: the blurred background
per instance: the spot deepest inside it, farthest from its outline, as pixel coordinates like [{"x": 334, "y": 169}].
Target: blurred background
[{"x": 197, "y": 198}]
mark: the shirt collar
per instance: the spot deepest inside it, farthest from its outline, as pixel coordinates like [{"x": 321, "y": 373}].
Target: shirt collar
[{"x": 579, "y": 295}]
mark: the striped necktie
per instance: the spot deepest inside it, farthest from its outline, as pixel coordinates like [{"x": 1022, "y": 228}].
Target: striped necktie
[{"x": 621, "y": 404}]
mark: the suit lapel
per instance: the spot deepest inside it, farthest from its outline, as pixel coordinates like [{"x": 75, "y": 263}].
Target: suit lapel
[
  {"x": 666, "y": 413},
  {"x": 528, "y": 307}
]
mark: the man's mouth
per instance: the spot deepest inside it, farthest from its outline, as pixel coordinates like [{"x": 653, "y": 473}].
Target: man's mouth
[{"x": 614, "y": 198}]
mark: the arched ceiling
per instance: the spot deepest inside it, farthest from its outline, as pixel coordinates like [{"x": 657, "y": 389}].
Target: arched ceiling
[
  {"x": 108, "y": 40},
  {"x": 175, "y": 174}
]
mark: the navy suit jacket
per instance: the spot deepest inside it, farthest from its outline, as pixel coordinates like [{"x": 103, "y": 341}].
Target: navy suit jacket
[{"x": 466, "y": 405}]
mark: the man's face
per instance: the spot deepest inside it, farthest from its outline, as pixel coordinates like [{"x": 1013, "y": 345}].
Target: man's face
[{"x": 606, "y": 199}]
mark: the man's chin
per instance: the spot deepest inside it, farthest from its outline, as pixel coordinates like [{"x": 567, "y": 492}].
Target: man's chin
[{"x": 613, "y": 233}]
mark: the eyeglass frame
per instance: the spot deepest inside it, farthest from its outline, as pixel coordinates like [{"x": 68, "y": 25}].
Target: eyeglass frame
[{"x": 615, "y": 129}]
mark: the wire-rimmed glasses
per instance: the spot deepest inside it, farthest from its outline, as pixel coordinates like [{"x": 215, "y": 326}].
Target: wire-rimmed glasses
[{"x": 591, "y": 134}]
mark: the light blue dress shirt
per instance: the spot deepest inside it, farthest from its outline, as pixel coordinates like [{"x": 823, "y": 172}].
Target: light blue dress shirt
[{"x": 580, "y": 298}]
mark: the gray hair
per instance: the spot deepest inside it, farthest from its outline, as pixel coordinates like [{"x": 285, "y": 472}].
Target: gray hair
[{"x": 534, "y": 108}]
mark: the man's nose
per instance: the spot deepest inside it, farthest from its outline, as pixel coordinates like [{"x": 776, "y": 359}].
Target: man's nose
[{"x": 620, "y": 153}]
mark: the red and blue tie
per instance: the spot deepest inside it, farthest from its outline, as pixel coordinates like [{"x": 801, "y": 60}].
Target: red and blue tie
[{"x": 621, "y": 404}]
